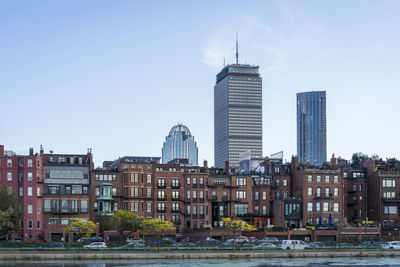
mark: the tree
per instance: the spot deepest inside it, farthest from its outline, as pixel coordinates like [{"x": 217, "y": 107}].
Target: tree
[
  {"x": 124, "y": 221},
  {"x": 358, "y": 157},
  {"x": 80, "y": 227},
  {"x": 11, "y": 214},
  {"x": 159, "y": 226},
  {"x": 237, "y": 226}
]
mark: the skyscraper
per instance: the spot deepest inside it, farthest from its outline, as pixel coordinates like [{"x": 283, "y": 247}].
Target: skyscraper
[
  {"x": 311, "y": 127},
  {"x": 180, "y": 144},
  {"x": 237, "y": 113}
]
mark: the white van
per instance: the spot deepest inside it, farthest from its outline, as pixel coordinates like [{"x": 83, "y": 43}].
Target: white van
[{"x": 292, "y": 244}]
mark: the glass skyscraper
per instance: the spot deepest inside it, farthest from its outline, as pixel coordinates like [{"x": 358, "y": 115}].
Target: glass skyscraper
[
  {"x": 180, "y": 144},
  {"x": 237, "y": 114},
  {"x": 311, "y": 127}
]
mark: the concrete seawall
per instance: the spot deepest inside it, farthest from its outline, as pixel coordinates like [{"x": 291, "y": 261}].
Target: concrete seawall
[{"x": 103, "y": 255}]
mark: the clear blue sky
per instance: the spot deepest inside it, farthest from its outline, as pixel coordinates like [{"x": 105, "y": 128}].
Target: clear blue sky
[{"x": 117, "y": 75}]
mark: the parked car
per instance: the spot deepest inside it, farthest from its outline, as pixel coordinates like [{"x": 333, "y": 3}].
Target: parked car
[
  {"x": 253, "y": 239},
  {"x": 96, "y": 245},
  {"x": 226, "y": 244},
  {"x": 292, "y": 244},
  {"x": 316, "y": 245},
  {"x": 343, "y": 245},
  {"x": 134, "y": 240},
  {"x": 247, "y": 245},
  {"x": 391, "y": 245},
  {"x": 132, "y": 245},
  {"x": 265, "y": 246},
  {"x": 208, "y": 240},
  {"x": 239, "y": 239},
  {"x": 268, "y": 239},
  {"x": 96, "y": 239}
]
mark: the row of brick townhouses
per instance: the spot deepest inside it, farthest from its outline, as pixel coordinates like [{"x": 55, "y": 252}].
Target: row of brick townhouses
[{"x": 53, "y": 188}]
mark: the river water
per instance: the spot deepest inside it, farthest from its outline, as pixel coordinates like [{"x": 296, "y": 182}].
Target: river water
[{"x": 217, "y": 262}]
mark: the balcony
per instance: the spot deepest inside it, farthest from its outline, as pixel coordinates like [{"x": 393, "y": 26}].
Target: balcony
[
  {"x": 161, "y": 186},
  {"x": 194, "y": 216},
  {"x": 177, "y": 222},
  {"x": 323, "y": 196},
  {"x": 201, "y": 216},
  {"x": 225, "y": 198},
  {"x": 176, "y": 211},
  {"x": 201, "y": 186},
  {"x": 201, "y": 200},
  {"x": 214, "y": 198},
  {"x": 194, "y": 185},
  {"x": 194, "y": 199},
  {"x": 351, "y": 190},
  {"x": 176, "y": 186},
  {"x": 162, "y": 198},
  {"x": 176, "y": 198},
  {"x": 161, "y": 210}
]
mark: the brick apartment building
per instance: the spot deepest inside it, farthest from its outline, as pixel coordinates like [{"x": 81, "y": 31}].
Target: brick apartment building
[
  {"x": 23, "y": 175},
  {"x": 322, "y": 193},
  {"x": 67, "y": 192}
]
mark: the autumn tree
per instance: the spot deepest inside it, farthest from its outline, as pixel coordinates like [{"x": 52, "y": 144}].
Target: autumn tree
[
  {"x": 125, "y": 221},
  {"x": 80, "y": 227},
  {"x": 237, "y": 226},
  {"x": 11, "y": 214}
]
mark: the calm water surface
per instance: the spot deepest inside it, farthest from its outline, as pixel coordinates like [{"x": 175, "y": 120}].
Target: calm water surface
[{"x": 216, "y": 262}]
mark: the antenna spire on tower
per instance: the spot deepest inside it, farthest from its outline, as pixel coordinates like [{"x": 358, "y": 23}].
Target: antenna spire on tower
[{"x": 237, "y": 49}]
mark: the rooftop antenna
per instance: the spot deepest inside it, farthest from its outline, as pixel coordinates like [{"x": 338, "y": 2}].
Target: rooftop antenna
[
  {"x": 224, "y": 61},
  {"x": 237, "y": 49}
]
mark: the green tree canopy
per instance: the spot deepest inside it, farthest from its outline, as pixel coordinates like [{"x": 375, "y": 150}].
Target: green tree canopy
[
  {"x": 80, "y": 227},
  {"x": 237, "y": 226},
  {"x": 158, "y": 226},
  {"x": 11, "y": 214},
  {"x": 126, "y": 221}
]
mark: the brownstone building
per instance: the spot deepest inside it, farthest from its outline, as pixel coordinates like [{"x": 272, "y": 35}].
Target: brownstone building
[{"x": 322, "y": 193}]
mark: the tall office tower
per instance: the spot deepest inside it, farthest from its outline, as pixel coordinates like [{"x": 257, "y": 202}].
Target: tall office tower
[
  {"x": 311, "y": 127},
  {"x": 237, "y": 113},
  {"x": 180, "y": 144}
]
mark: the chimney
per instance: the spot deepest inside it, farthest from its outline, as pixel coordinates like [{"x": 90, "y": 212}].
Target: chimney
[
  {"x": 205, "y": 166},
  {"x": 227, "y": 167},
  {"x": 41, "y": 151},
  {"x": 1, "y": 150},
  {"x": 31, "y": 151}
]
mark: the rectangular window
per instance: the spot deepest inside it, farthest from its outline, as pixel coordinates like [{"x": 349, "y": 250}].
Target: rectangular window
[
  {"x": 134, "y": 206},
  {"x": 38, "y": 209},
  {"x": 327, "y": 192},
  {"x": 240, "y": 181},
  {"x": 21, "y": 191},
  {"x": 336, "y": 179},
  {"x": 240, "y": 209},
  {"x": 336, "y": 191},
  {"x": 309, "y": 178},
  {"x": 285, "y": 182},
  {"x": 64, "y": 221},
  {"x": 326, "y": 206},
  {"x": 134, "y": 191},
  {"x": 148, "y": 189},
  {"x": 264, "y": 210},
  {"x": 77, "y": 190},
  {"x": 318, "y": 179},
  {"x": 74, "y": 206},
  {"x": 114, "y": 191},
  {"x": 318, "y": 191},
  {"x": 38, "y": 224},
  {"x": 194, "y": 209},
  {"x": 194, "y": 181},
  {"x": 148, "y": 178},
  {"x": 9, "y": 176},
  {"x": 53, "y": 221},
  {"x": 64, "y": 206},
  {"x": 188, "y": 194},
  {"x": 29, "y": 191},
  {"x": 188, "y": 180},
  {"x": 327, "y": 180},
  {"x": 201, "y": 180},
  {"x": 30, "y": 224},
  {"x": 318, "y": 207},
  {"x": 241, "y": 194},
  {"x": 335, "y": 207},
  {"x": 47, "y": 205},
  {"x": 256, "y": 195},
  {"x": 264, "y": 195},
  {"x": 310, "y": 207},
  {"x": 148, "y": 206},
  {"x": 30, "y": 176},
  {"x": 84, "y": 206},
  {"x": 134, "y": 177},
  {"x": 30, "y": 209},
  {"x": 309, "y": 191}
]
